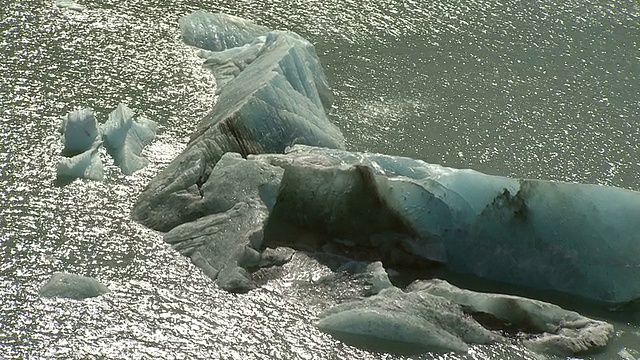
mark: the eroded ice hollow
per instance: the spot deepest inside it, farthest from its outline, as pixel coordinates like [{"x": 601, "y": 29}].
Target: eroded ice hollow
[{"x": 265, "y": 172}]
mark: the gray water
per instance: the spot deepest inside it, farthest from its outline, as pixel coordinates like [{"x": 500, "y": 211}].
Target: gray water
[{"x": 541, "y": 89}]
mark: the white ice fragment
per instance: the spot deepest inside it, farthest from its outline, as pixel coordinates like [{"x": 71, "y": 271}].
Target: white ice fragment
[
  {"x": 379, "y": 277},
  {"x": 555, "y": 330},
  {"x": 125, "y": 135},
  {"x": 218, "y": 32},
  {"x": 411, "y": 323}
]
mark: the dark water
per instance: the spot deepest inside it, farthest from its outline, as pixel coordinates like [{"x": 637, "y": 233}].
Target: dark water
[{"x": 543, "y": 89}]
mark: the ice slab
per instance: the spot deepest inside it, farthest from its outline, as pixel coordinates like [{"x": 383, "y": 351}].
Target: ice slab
[
  {"x": 437, "y": 316},
  {"x": 218, "y": 32},
  {"x": 79, "y": 132},
  {"x": 125, "y": 135},
  {"x": 278, "y": 100},
  {"x": 551, "y": 329},
  {"x": 86, "y": 165},
  {"x": 72, "y": 286},
  {"x": 575, "y": 238},
  {"x": 394, "y": 321}
]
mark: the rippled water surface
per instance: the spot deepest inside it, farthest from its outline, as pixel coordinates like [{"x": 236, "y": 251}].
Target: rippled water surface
[{"x": 544, "y": 89}]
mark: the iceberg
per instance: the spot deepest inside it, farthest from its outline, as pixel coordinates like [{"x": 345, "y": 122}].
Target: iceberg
[
  {"x": 572, "y": 238},
  {"x": 79, "y": 132},
  {"x": 72, "y": 286},
  {"x": 434, "y": 315},
  {"x": 125, "y": 136},
  {"x": 278, "y": 96},
  {"x": 80, "y": 158}
]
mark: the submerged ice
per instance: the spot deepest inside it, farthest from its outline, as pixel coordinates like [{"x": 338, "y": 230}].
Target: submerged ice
[
  {"x": 434, "y": 315},
  {"x": 265, "y": 169}
]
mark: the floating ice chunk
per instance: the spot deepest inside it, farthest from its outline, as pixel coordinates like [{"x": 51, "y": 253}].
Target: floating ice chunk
[
  {"x": 125, "y": 136},
  {"x": 393, "y": 321},
  {"x": 86, "y": 165},
  {"x": 218, "y": 32},
  {"x": 238, "y": 195},
  {"x": 553, "y": 329},
  {"x": 436, "y": 316},
  {"x": 69, "y": 4},
  {"x": 574, "y": 238},
  {"x": 79, "y": 132},
  {"x": 629, "y": 354},
  {"x": 220, "y": 243},
  {"x": 72, "y": 286},
  {"x": 379, "y": 277},
  {"x": 278, "y": 100}
]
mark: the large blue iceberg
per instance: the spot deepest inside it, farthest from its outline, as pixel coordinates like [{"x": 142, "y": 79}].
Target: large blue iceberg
[{"x": 266, "y": 169}]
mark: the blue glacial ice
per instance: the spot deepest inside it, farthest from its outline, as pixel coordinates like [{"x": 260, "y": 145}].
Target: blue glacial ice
[
  {"x": 125, "y": 135},
  {"x": 86, "y": 165},
  {"x": 81, "y": 142},
  {"x": 80, "y": 132},
  {"x": 218, "y": 32},
  {"x": 574, "y": 238},
  {"x": 275, "y": 99}
]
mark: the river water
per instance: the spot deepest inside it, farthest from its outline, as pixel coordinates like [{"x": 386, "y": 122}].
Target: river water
[{"x": 542, "y": 89}]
